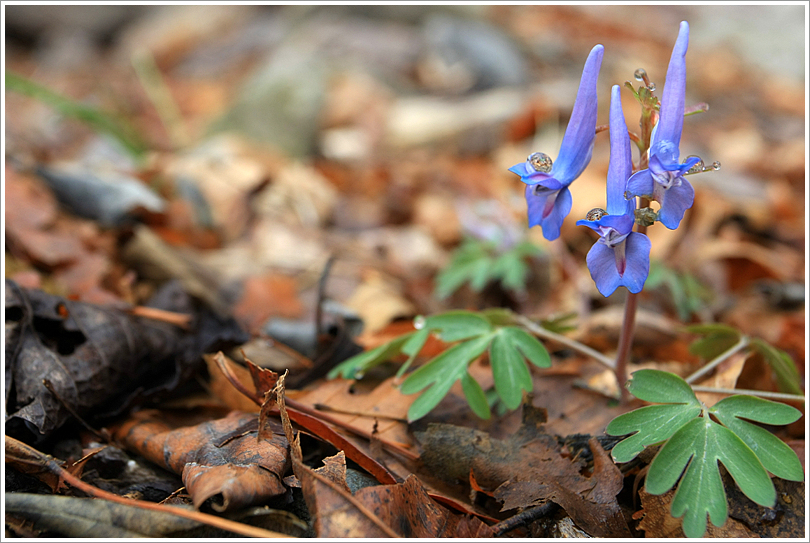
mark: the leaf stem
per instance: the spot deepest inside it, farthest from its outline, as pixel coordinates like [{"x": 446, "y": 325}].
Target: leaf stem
[
  {"x": 760, "y": 393},
  {"x": 539, "y": 331},
  {"x": 744, "y": 341}
]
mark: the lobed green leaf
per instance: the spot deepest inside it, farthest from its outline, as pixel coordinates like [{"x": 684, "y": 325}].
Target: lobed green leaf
[
  {"x": 440, "y": 373},
  {"x": 701, "y": 444},
  {"x": 528, "y": 345},
  {"x": 649, "y": 425},
  {"x": 776, "y": 456}
]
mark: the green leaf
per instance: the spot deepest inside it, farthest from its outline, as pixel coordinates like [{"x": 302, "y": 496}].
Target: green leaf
[
  {"x": 412, "y": 347},
  {"x": 457, "y": 325},
  {"x": 481, "y": 273},
  {"x": 368, "y": 359},
  {"x": 529, "y": 346},
  {"x": 775, "y": 454},
  {"x": 787, "y": 376},
  {"x": 475, "y": 396},
  {"x": 701, "y": 444},
  {"x": 440, "y": 374},
  {"x": 661, "y": 387},
  {"x": 718, "y": 339},
  {"x": 93, "y": 117},
  {"x": 559, "y": 324},
  {"x": 461, "y": 268},
  {"x": 498, "y": 316},
  {"x": 509, "y": 370},
  {"x": 511, "y": 270},
  {"x": 649, "y": 425}
]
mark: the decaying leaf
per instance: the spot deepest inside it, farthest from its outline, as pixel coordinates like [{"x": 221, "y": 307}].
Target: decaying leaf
[
  {"x": 529, "y": 469},
  {"x": 392, "y": 510},
  {"x": 219, "y": 460},
  {"x": 99, "y": 360},
  {"x": 81, "y": 517}
]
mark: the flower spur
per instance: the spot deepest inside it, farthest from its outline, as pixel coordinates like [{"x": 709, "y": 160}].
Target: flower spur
[{"x": 547, "y": 194}]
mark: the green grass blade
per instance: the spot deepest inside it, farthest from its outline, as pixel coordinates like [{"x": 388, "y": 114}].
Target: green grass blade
[{"x": 93, "y": 117}]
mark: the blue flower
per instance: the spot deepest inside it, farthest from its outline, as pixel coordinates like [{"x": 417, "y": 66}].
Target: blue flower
[
  {"x": 664, "y": 180},
  {"x": 547, "y": 194},
  {"x": 620, "y": 257}
]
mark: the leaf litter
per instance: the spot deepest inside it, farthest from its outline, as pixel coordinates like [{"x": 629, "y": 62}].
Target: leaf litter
[{"x": 246, "y": 227}]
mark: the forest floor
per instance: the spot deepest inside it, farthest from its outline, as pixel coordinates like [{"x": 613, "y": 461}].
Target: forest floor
[{"x": 190, "y": 187}]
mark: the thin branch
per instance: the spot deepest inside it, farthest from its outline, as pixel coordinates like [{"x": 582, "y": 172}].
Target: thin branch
[
  {"x": 36, "y": 458},
  {"x": 760, "y": 393},
  {"x": 743, "y": 343},
  {"x": 539, "y": 331}
]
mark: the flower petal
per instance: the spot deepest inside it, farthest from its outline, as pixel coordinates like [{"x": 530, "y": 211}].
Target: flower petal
[
  {"x": 549, "y": 219},
  {"x": 577, "y": 145},
  {"x": 641, "y": 183},
  {"x": 593, "y": 225},
  {"x": 623, "y": 224},
  {"x": 637, "y": 252},
  {"x": 601, "y": 262},
  {"x": 676, "y": 200},
  {"x": 673, "y": 98},
  {"x": 530, "y": 176},
  {"x": 621, "y": 162}
]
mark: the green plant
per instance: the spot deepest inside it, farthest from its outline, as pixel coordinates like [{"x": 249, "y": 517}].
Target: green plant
[
  {"x": 720, "y": 341},
  {"x": 688, "y": 294},
  {"x": 479, "y": 262},
  {"x": 695, "y": 438},
  {"x": 93, "y": 117},
  {"x": 472, "y": 334}
]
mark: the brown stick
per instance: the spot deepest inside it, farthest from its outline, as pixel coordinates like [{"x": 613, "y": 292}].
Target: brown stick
[{"x": 36, "y": 458}]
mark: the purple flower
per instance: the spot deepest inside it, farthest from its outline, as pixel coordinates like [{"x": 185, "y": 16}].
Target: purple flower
[
  {"x": 664, "y": 180},
  {"x": 547, "y": 194},
  {"x": 620, "y": 257}
]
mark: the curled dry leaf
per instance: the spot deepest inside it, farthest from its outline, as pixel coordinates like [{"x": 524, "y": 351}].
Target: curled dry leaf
[{"x": 220, "y": 460}]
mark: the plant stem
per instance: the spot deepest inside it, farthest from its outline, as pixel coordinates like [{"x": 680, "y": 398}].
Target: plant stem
[
  {"x": 625, "y": 343},
  {"x": 760, "y": 393},
  {"x": 722, "y": 357},
  {"x": 628, "y": 328},
  {"x": 538, "y": 330}
]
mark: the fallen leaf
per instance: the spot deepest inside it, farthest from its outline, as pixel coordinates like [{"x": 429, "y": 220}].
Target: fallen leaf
[
  {"x": 99, "y": 360},
  {"x": 220, "y": 460},
  {"x": 529, "y": 469}
]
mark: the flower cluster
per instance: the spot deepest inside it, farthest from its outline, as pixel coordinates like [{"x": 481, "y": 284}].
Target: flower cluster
[{"x": 620, "y": 257}]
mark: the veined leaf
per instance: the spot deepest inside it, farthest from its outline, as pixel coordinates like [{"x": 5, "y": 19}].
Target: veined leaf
[
  {"x": 695, "y": 444},
  {"x": 457, "y": 325},
  {"x": 440, "y": 374},
  {"x": 509, "y": 370},
  {"x": 701, "y": 444},
  {"x": 649, "y": 425},
  {"x": 775, "y": 454}
]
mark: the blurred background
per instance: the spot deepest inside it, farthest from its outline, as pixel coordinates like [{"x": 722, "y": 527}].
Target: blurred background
[{"x": 273, "y": 137}]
